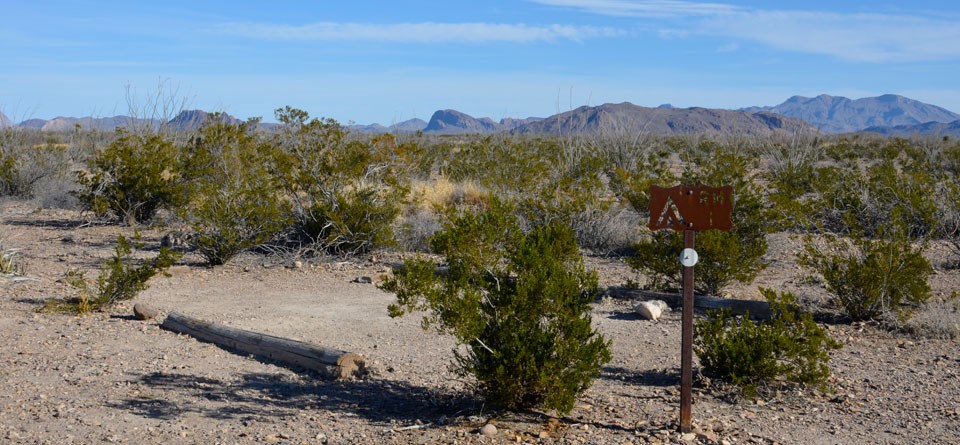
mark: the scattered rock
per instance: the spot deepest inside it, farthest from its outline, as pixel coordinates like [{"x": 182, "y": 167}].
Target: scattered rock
[
  {"x": 144, "y": 312},
  {"x": 688, "y": 437},
  {"x": 179, "y": 240},
  {"x": 650, "y": 310},
  {"x": 708, "y": 437},
  {"x": 363, "y": 280},
  {"x": 489, "y": 430}
]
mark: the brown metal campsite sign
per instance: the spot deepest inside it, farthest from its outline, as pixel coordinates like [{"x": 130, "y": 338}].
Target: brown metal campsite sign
[{"x": 690, "y": 208}]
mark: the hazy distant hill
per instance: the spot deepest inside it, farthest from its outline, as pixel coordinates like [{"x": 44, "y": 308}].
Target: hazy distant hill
[
  {"x": 455, "y": 122},
  {"x": 627, "y": 117},
  {"x": 88, "y": 123},
  {"x": 835, "y": 114},
  {"x": 409, "y": 126},
  {"x": 938, "y": 129},
  {"x": 193, "y": 119},
  {"x": 371, "y": 128},
  {"x": 61, "y": 123},
  {"x": 35, "y": 124}
]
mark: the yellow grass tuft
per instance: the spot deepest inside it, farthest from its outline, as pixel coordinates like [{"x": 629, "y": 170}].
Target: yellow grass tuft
[{"x": 441, "y": 192}]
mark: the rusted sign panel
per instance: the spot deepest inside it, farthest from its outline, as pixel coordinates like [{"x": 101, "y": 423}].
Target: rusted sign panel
[{"x": 689, "y": 207}]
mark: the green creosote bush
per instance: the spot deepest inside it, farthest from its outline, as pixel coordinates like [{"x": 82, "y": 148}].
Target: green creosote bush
[
  {"x": 520, "y": 302},
  {"x": 791, "y": 175},
  {"x": 725, "y": 257},
  {"x": 874, "y": 279},
  {"x": 119, "y": 279},
  {"x": 236, "y": 202},
  {"x": 132, "y": 178},
  {"x": 346, "y": 193},
  {"x": 790, "y": 347}
]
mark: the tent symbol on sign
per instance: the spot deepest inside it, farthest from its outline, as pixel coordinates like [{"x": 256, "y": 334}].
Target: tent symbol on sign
[{"x": 670, "y": 216}]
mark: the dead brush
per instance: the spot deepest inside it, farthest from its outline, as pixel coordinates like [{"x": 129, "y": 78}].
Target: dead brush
[
  {"x": 938, "y": 319},
  {"x": 10, "y": 265}
]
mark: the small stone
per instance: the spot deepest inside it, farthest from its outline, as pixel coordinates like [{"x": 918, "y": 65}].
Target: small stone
[
  {"x": 298, "y": 264},
  {"x": 648, "y": 310},
  {"x": 544, "y": 435},
  {"x": 363, "y": 280},
  {"x": 144, "y": 312},
  {"x": 707, "y": 436},
  {"x": 688, "y": 437},
  {"x": 489, "y": 430}
]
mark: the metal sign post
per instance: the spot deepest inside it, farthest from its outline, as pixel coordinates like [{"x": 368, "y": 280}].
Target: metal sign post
[
  {"x": 686, "y": 340},
  {"x": 690, "y": 209}
]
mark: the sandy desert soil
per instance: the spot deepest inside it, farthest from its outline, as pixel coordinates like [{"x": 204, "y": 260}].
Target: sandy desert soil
[{"x": 109, "y": 378}]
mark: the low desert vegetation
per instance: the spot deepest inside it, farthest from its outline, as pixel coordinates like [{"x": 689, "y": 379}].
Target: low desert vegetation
[
  {"x": 309, "y": 186},
  {"x": 518, "y": 300},
  {"x": 10, "y": 264},
  {"x": 121, "y": 278},
  {"x": 881, "y": 279},
  {"x": 790, "y": 348}
]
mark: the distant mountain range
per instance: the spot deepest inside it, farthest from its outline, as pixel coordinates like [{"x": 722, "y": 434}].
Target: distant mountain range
[
  {"x": 938, "y": 129},
  {"x": 888, "y": 114},
  {"x": 627, "y": 117},
  {"x": 835, "y": 114}
]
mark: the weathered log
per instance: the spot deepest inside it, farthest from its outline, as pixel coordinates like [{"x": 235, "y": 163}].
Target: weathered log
[
  {"x": 757, "y": 309},
  {"x": 331, "y": 363}
]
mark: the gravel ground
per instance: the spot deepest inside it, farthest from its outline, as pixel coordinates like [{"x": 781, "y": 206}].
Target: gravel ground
[{"x": 110, "y": 378}]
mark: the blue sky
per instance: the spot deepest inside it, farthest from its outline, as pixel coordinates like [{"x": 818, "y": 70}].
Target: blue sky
[{"x": 374, "y": 61}]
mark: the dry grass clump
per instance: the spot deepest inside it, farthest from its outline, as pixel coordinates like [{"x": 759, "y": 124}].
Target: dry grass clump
[
  {"x": 937, "y": 319},
  {"x": 10, "y": 266},
  {"x": 441, "y": 192}
]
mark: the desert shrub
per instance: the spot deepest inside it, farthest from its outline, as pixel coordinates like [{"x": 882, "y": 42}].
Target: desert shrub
[
  {"x": 937, "y": 319},
  {"x": 520, "y": 302},
  {"x": 736, "y": 255},
  {"x": 632, "y": 173},
  {"x": 856, "y": 197},
  {"x": 346, "y": 193},
  {"x": 571, "y": 191},
  {"x": 790, "y": 347},
  {"x": 873, "y": 279},
  {"x": 353, "y": 221},
  {"x": 30, "y": 161},
  {"x": 133, "y": 177},
  {"x": 119, "y": 279},
  {"x": 417, "y": 228},
  {"x": 550, "y": 180},
  {"x": 791, "y": 175},
  {"x": 236, "y": 202}
]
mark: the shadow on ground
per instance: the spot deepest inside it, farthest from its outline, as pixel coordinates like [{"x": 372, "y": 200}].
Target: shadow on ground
[
  {"x": 649, "y": 377},
  {"x": 274, "y": 395}
]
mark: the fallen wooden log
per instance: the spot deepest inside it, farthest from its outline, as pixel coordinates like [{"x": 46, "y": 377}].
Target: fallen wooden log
[
  {"x": 757, "y": 309},
  {"x": 331, "y": 363}
]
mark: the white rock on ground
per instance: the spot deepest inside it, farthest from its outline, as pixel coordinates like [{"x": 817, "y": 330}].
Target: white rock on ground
[{"x": 650, "y": 310}]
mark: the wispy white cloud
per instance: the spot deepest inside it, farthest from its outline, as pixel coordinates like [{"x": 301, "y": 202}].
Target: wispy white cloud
[
  {"x": 649, "y": 8},
  {"x": 857, "y": 37},
  {"x": 425, "y": 32},
  {"x": 875, "y": 37}
]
